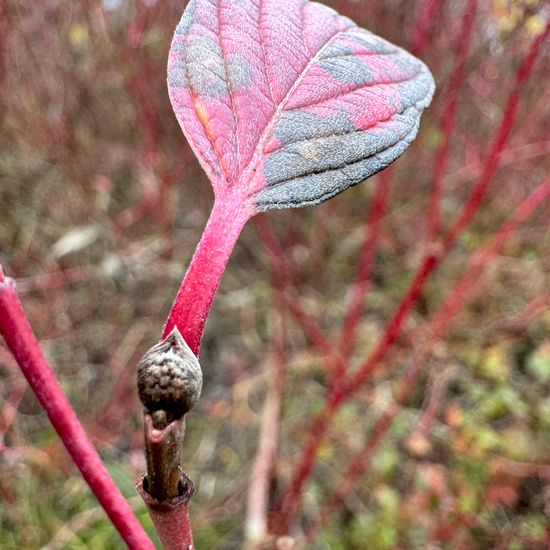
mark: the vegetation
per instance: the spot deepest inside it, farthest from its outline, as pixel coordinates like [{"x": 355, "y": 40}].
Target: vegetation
[{"x": 425, "y": 286}]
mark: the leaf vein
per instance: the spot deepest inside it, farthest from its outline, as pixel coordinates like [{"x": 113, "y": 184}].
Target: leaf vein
[{"x": 356, "y": 89}]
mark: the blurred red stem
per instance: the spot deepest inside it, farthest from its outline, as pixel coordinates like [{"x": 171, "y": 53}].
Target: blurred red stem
[
  {"x": 9, "y": 410},
  {"x": 21, "y": 341},
  {"x": 282, "y": 267},
  {"x": 286, "y": 276},
  {"x": 203, "y": 276},
  {"x": 291, "y": 498},
  {"x": 366, "y": 261},
  {"x": 449, "y": 117},
  {"x": 434, "y": 399},
  {"x": 256, "y": 524},
  {"x": 508, "y": 119},
  {"x": 426, "y": 17},
  {"x": 439, "y": 324}
]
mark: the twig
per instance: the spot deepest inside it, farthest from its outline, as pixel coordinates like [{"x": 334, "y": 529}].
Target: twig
[
  {"x": 448, "y": 119},
  {"x": 439, "y": 325},
  {"x": 169, "y": 385},
  {"x": 503, "y": 133},
  {"x": 256, "y": 526},
  {"x": 285, "y": 276},
  {"x": 427, "y": 15},
  {"x": 9, "y": 411},
  {"x": 366, "y": 261},
  {"x": 20, "y": 339},
  {"x": 292, "y": 496},
  {"x": 256, "y": 523}
]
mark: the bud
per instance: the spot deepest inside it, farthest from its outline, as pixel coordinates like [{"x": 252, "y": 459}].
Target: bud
[{"x": 169, "y": 377}]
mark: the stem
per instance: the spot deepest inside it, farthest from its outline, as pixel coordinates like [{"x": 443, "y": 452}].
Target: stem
[
  {"x": 163, "y": 455},
  {"x": 291, "y": 499},
  {"x": 508, "y": 118},
  {"x": 203, "y": 276},
  {"x": 171, "y": 517},
  {"x": 426, "y": 17},
  {"x": 437, "y": 327},
  {"x": 256, "y": 524},
  {"x": 21, "y": 341},
  {"x": 448, "y": 119},
  {"x": 365, "y": 265},
  {"x": 262, "y": 469},
  {"x": 166, "y": 489}
]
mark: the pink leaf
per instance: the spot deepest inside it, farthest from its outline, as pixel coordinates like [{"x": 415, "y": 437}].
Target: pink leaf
[{"x": 286, "y": 103}]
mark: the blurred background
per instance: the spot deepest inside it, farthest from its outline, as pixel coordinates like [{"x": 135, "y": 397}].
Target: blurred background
[{"x": 102, "y": 204}]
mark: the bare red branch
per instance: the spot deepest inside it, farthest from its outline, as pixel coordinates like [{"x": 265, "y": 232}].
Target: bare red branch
[{"x": 20, "y": 339}]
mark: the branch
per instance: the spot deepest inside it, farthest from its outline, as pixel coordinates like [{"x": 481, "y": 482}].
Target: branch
[
  {"x": 169, "y": 380},
  {"x": 292, "y": 497},
  {"x": 256, "y": 523},
  {"x": 20, "y": 339}
]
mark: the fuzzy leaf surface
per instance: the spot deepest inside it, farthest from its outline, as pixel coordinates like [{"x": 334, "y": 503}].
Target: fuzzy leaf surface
[{"x": 286, "y": 103}]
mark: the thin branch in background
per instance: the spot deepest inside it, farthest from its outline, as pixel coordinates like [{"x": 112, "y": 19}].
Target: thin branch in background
[
  {"x": 503, "y": 134},
  {"x": 531, "y": 311},
  {"x": 435, "y": 394},
  {"x": 287, "y": 276},
  {"x": 448, "y": 119},
  {"x": 509, "y": 157},
  {"x": 439, "y": 324},
  {"x": 256, "y": 522},
  {"x": 290, "y": 500},
  {"x": 123, "y": 376},
  {"x": 55, "y": 280},
  {"x": 365, "y": 264},
  {"x": 20, "y": 339},
  {"x": 9, "y": 410},
  {"x": 427, "y": 14}
]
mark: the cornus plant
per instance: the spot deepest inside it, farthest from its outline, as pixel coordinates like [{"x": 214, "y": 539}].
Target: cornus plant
[
  {"x": 420, "y": 405},
  {"x": 285, "y": 104}
]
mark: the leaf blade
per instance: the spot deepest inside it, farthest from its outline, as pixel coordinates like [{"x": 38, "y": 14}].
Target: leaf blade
[{"x": 278, "y": 99}]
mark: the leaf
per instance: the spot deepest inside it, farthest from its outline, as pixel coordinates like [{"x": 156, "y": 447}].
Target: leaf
[{"x": 286, "y": 103}]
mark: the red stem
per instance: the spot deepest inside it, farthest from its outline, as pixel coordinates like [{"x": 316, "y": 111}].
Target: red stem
[
  {"x": 366, "y": 261},
  {"x": 256, "y": 524},
  {"x": 203, "y": 276},
  {"x": 437, "y": 327},
  {"x": 448, "y": 118},
  {"x": 21, "y": 341},
  {"x": 287, "y": 275},
  {"x": 423, "y": 25},
  {"x": 292, "y": 496},
  {"x": 9, "y": 411},
  {"x": 508, "y": 119}
]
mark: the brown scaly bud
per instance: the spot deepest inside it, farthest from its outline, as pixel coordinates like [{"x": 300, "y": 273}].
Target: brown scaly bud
[{"x": 169, "y": 377}]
